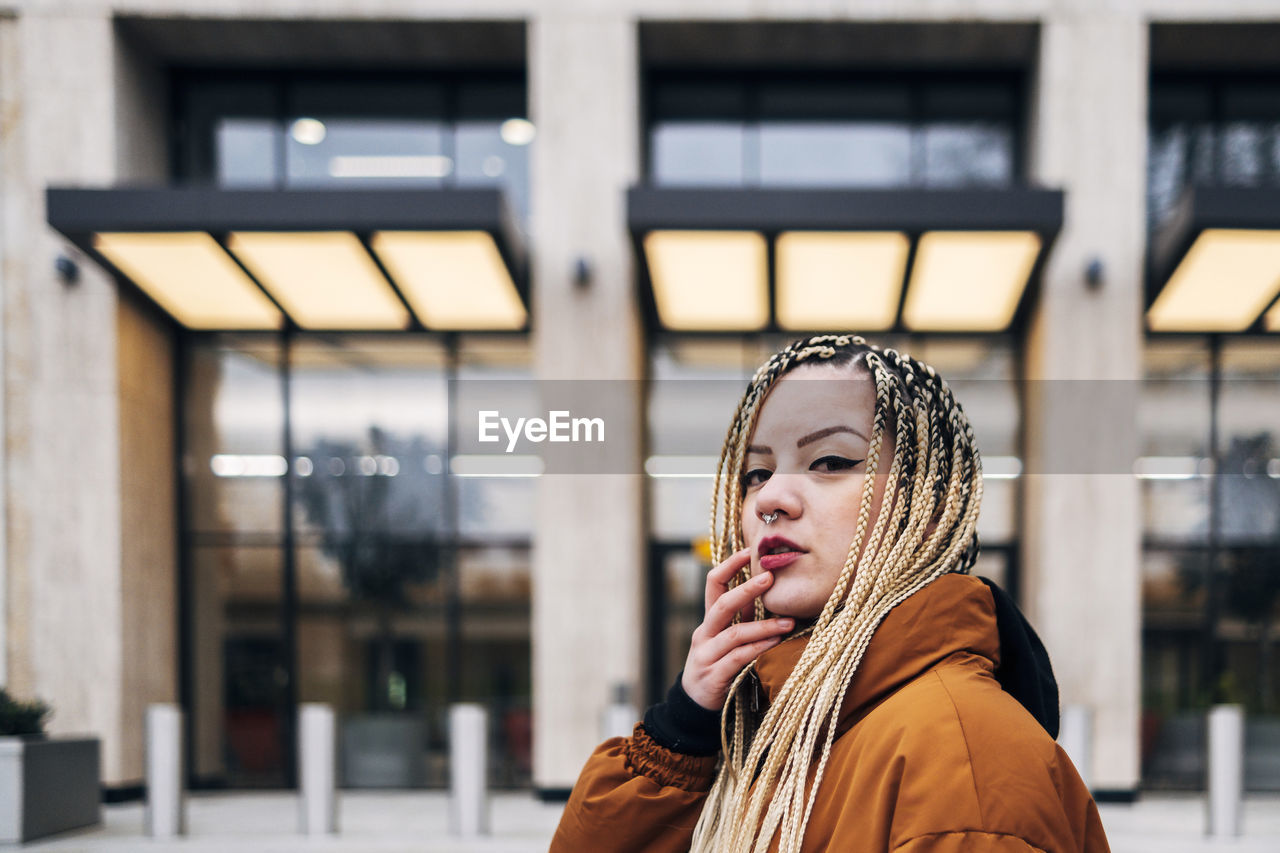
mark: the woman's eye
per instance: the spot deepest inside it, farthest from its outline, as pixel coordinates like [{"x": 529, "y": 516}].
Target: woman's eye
[
  {"x": 834, "y": 463},
  {"x": 755, "y": 477}
]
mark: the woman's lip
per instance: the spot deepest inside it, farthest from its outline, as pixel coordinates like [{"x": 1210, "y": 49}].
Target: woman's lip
[{"x": 772, "y": 562}]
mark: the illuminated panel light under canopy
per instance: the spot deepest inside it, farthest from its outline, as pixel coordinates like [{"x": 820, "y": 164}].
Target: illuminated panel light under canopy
[
  {"x": 190, "y": 276},
  {"x": 1227, "y": 278},
  {"x": 969, "y": 281},
  {"x": 709, "y": 280},
  {"x": 323, "y": 279},
  {"x": 452, "y": 279},
  {"x": 840, "y": 280}
]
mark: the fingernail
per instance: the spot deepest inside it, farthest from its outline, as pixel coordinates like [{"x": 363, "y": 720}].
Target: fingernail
[
  {"x": 786, "y": 623},
  {"x": 764, "y": 578}
]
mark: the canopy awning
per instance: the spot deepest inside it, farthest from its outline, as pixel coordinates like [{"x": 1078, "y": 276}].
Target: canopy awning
[
  {"x": 335, "y": 260},
  {"x": 1215, "y": 263},
  {"x": 737, "y": 260}
]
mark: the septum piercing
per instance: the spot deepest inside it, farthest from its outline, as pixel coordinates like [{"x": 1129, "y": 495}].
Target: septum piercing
[{"x": 770, "y": 518}]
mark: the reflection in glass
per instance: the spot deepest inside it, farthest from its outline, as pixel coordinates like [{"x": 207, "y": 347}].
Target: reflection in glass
[
  {"x": 371, "y": 152},
  {"x": 239, "y": 673},
  {"x": 233, "y": 409},
  {"x": 853, "y": 154},
  {"x": 699, "y": 154},
  {"x": 248, "y": 152},
  {"x": 483, "y": 158},
  {"x": 962, "y": 154}
]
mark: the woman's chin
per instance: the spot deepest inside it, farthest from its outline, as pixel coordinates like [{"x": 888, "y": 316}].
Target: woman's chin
[{"x": 779, "y": 603}]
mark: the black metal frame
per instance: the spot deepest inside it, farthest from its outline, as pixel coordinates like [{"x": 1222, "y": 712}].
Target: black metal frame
[
  {"x": 80, "y": 213},
  {"x": 774, "y": 211},
  {"x": 1200, "y": 208}
]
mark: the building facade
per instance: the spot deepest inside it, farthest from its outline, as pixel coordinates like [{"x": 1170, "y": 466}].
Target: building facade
[{"x": 241, "y": 520}]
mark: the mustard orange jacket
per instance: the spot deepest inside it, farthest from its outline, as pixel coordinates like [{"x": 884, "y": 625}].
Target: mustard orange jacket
[{"x": 930, "y": 754}]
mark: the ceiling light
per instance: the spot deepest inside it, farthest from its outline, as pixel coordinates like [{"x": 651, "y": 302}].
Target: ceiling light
[
  {"x": 452, "y": 279},
  {"x": 709, "y": 280},
  {"x": 840, "y": 280},
  {"x": 390, "y": 166},
  {"x": 1227, "y": 278},
  {"x": 969, "y": 281},
  {"x": 518, "y": 131},
  {"x": 308, "y": 131},
  {"x": 323, "y": 279},
  {"x": 191, "y": 277}
]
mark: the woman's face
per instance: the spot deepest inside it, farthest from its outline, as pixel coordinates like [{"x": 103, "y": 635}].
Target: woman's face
[{"x": 806, "y": 462}]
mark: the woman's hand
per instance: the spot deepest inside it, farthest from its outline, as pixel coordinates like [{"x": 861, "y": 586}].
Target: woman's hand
[{"x": 721, "y": 649}]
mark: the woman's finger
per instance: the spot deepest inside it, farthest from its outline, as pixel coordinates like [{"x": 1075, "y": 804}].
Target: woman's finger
[
  {"x": 718, "y": 578},
  {"x": 745, "y": 633},
  {"x": 720, "y": 614},
  {"x": 731, "y": 664}
]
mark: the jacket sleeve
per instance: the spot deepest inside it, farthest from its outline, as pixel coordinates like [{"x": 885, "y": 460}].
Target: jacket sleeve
[{"x": 635, "y": 795}]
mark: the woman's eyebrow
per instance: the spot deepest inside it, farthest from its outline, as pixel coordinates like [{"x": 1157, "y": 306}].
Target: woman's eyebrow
[{"x": 826, "y": 431}]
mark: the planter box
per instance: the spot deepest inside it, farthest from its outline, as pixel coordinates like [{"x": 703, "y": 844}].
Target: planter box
[
  {"x": 384, "y": 751},
  {"x": 47, "y": 786}
]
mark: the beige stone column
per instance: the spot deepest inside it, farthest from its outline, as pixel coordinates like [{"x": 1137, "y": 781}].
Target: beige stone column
[
  {"x": 62, "y": 419},
  {"x": 1081, "y": 523},
  {"x": 588, "y": 550},
  {"x": 90, "y": 530}
]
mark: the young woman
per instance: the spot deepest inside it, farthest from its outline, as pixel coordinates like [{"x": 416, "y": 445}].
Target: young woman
[{"x": 844, "y": 691}]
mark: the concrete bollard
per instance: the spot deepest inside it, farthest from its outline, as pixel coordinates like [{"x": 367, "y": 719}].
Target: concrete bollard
[
  {"x": 1226, "y": 770},
  {"x": 1076, "y": 738},
  {"x": 166, "y": 801},
  {"x": 317, "y": 770},
  {"x": 468, "y": 766},
  {"x": 620, "y": 716}
]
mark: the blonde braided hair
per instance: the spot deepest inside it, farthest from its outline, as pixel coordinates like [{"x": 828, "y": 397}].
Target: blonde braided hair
[{"x": 935, "y": 476}]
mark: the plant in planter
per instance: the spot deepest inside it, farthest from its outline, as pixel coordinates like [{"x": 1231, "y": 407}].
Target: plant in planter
[
  {"x": 22, "y": 718},
  {"x": 47, "y": 785}
]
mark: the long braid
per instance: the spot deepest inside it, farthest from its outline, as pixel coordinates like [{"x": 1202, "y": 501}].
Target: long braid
[{"x": 926, "y": 527}]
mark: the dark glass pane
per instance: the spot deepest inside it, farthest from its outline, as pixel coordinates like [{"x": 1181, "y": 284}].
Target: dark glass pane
[
  {"x": 1173, "y": 701},
  {"x": 484, "y": 158},
  {"x": 1179, "y": 102},
  {"x": 204, "y": 106},
  {"x": 1242, "y": 157},
  {"x": 993, "y": 102},
  {"x": 367, "y": 152},
  {"x": 1166, "y": 171},
  {"x": 699, "y": 153},
  {"x": 1249, "y": 430},
  {"x": 1174, "y": 464},
  {"x": 861, "y": 154},
  {"x": 699, "y": 101},
  {"x": 490, "y": 101},
  {"x": 239, "y": 672},
  {"x": 367, "y": 99},
  {"x": 1251, "y": 102},
  {"x": 248, "y": 152},
  {"x": 1204, "y": 163},
  {"x": 833, "y": 102},
  {"x": 234, "y": 415},
  {"x": 967, "y": 154}
]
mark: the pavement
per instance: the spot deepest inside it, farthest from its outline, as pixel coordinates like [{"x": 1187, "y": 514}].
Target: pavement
[{"x": 417, "y": 822}]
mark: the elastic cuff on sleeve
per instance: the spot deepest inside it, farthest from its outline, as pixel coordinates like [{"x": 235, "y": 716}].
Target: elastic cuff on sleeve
[
  {"x": 682, "y": 725},
  {"x": 646, "y": 757}
]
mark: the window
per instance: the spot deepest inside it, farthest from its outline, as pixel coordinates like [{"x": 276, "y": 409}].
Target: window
[
  {"x": 355, "y": 130},
  {"x": 866, "y": 131}
]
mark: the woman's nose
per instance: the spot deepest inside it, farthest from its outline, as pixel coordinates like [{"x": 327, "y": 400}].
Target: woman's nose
[{"x": 780, "y": 495}]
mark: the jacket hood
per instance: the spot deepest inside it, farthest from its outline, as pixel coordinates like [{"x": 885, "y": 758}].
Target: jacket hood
[{"x": 955, "y": 614}]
